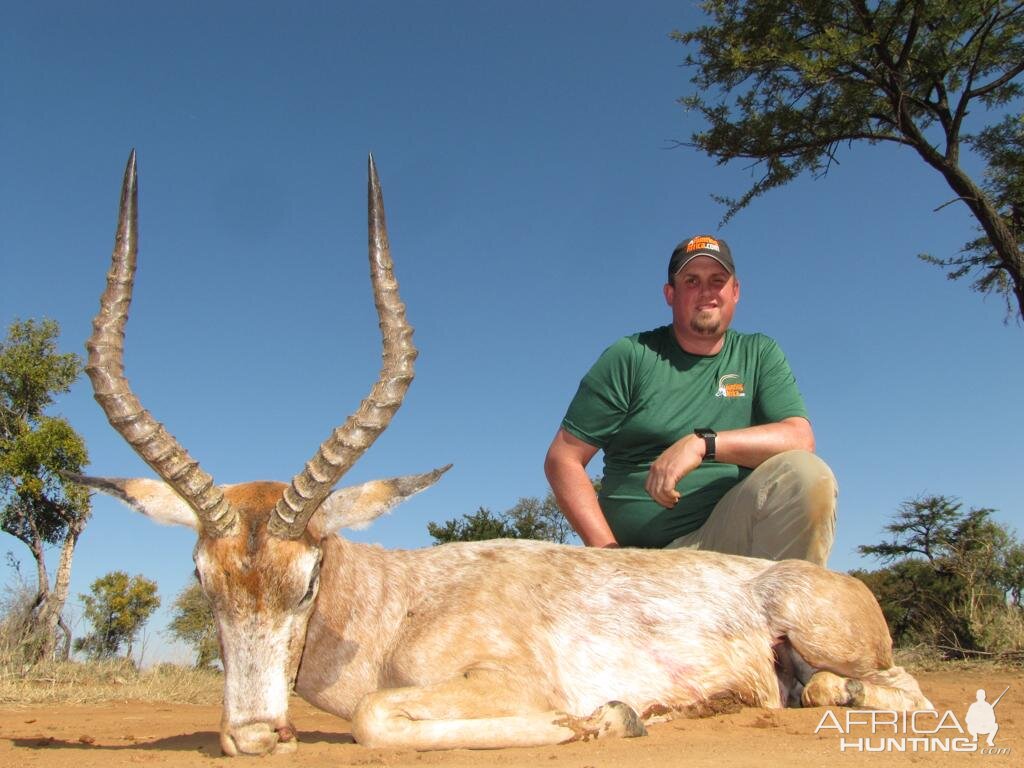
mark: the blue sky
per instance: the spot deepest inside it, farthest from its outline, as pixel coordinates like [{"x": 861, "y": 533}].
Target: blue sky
[{"x": 533, "y": 197}]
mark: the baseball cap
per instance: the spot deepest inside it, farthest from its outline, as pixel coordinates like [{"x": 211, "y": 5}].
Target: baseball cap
[{"x": 701, "y": 245}]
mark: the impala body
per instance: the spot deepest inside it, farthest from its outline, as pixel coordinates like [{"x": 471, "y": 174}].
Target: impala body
[{"x": 487, "y": 644}]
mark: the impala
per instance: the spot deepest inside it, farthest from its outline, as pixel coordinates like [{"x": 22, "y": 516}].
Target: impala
[{"x": 487, "y": 644}]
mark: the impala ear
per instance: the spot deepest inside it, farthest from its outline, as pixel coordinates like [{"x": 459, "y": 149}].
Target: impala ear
[
  {"x": 153, "y": 498},
  {"x": 359, "y": 505}
]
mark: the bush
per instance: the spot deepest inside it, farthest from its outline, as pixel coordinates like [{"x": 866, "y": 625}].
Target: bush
[
  {"x": 953, "y": 579},
  {"x": 21, "y": 641}
]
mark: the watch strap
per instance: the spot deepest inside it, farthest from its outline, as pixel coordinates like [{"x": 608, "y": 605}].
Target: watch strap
[{"x": 709, "y": 436}]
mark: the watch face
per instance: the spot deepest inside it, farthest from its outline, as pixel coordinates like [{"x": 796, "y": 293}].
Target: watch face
[{"x": 704, "y": 432}]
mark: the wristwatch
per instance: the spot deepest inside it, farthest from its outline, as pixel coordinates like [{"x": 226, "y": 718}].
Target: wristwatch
[{"x": 709, "y": 436}]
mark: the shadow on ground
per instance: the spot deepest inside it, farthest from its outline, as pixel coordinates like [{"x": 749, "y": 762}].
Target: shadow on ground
[{"x": 205, "y": 742}]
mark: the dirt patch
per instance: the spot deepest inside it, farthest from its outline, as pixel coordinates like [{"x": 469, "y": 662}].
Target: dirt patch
[{"x": 132, "y": 733}]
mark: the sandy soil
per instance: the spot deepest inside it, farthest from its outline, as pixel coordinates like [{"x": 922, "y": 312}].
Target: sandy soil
[{"x": 131, "y": 733}]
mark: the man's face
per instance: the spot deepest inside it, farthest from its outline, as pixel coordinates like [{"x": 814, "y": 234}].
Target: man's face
[{"x": 703, "y": 298}]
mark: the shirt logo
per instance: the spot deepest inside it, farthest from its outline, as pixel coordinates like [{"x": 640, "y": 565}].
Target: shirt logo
[{"x": 728, "y": 388}]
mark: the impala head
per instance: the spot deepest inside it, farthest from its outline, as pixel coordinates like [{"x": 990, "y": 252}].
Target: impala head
[{"x": 258, "y": 550}]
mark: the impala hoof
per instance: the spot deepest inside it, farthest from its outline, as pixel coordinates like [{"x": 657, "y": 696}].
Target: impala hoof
[{"x": 620, "y": 720}]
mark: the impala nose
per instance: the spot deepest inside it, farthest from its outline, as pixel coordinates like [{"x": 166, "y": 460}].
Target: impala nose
[{"x": 258, "y": 739}]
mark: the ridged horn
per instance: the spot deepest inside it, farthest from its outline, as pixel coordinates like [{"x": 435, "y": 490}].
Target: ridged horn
[
  {"x": 348, "y": 442},
  {"x": 146, "y": 435}
]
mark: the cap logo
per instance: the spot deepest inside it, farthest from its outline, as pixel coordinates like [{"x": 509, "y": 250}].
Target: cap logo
[{"x": 703, "y": 243}]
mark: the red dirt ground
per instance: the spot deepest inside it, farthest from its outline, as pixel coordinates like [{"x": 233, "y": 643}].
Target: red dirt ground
[{"x": 182, "y": 736}]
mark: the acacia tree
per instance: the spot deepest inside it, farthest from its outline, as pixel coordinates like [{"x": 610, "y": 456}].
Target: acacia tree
[
  {"x": 953, "y": 578},
  {"x": 192, "y": 622},
  {"x": 117, "y": 607},
  {"x": 39, "y": 507},
  {"x": 786, "y": 83}
]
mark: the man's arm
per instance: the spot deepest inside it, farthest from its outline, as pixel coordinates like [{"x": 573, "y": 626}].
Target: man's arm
[
  {"x": 746, "y": 447},
  {"x": 566, "y": 468}
]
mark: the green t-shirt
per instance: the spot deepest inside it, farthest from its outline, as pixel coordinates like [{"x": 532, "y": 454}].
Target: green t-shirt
[{"x": 645, "y": 392}]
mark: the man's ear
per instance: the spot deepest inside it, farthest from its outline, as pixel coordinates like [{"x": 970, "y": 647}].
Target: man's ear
[
  {"x": 358, "y": 506},
  {"x": 153, "y": 498}
]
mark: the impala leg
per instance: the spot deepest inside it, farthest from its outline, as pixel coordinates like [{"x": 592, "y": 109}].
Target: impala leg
[
  {"x": 890, "y": 689},
  {"x": 833, "y": 624},
  {"x": 481, "y": 709}
]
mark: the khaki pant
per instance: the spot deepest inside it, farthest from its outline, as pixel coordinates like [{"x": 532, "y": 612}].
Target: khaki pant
[{"x": 785, "y": 508}]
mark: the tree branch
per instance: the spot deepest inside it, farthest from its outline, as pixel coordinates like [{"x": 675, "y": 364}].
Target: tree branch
[
  {"x": 908, "y": 43},
  {"x": 999, "y": 82},
  {"x": 961, "y": 110}
]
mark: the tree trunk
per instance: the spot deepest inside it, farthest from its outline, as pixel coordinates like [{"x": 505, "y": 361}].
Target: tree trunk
[
  {"x": 48, "y": 617},
  {"x": 42, "y": 631},
  {"x": 999, "y": 235},
  {"x": 65, "y": 647}
]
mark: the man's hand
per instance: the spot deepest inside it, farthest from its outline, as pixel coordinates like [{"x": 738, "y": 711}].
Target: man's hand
[{"x": 677, "y": 461}]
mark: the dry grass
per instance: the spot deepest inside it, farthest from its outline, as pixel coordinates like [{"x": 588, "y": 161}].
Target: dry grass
[
  {"x": 927, "y": 658},
  {"x": 91, "y": 682},
  {"x": 70, "y": 682},
  {"x": 118, "y": 680}
]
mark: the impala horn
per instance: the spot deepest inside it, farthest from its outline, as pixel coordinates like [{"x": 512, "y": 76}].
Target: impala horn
[
  {"x": 146, "y": 435},
  {"x": 348, "y": 442}
]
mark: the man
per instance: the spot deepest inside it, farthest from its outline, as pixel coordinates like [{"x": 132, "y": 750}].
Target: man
[{"x": 705, "y": 436}]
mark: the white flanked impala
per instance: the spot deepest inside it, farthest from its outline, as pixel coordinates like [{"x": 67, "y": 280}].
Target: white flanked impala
[{"x": 489, "y": 644}]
